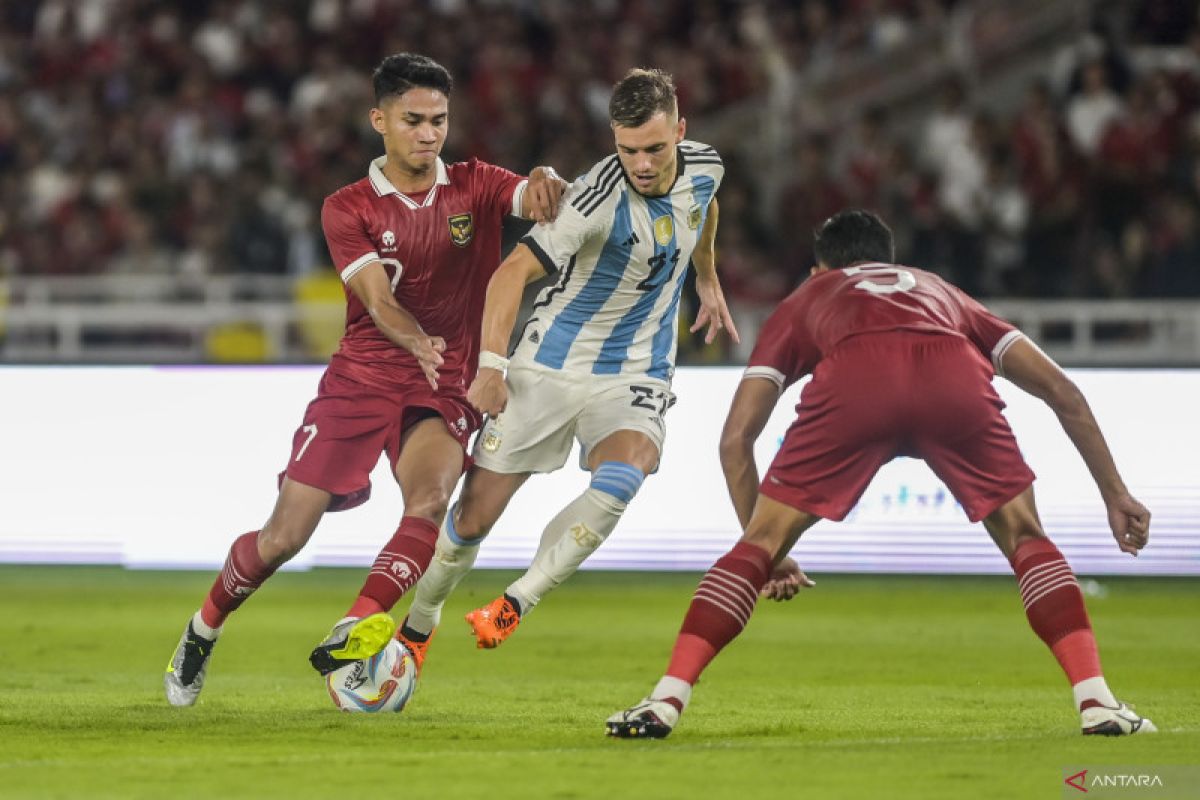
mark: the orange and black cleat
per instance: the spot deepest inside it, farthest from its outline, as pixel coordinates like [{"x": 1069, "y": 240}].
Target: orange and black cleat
[
  {"x": 418, "y": 649},
  {"x": 494, "y": 623}
]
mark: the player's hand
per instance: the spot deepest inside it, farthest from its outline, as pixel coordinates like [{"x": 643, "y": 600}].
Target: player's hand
[
  {"x": 786, "y": 580},
  {"x": 713, "y": 311},
  {"x": 488, "y": 392},
  {"x": 428, "y": 352},
  {"x": 544, "y": 191},
  {"x": 1130, "y": 523}
]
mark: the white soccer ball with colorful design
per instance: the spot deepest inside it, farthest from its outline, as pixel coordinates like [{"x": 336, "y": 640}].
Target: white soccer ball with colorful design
[{"x": 381, "y": 683}]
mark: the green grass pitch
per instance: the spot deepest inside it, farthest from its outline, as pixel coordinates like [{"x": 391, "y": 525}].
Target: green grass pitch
[{"x": 864, "y": 687}]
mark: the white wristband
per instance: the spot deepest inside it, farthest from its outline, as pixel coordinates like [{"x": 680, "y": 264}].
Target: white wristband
[{"x": 490, "y": 360}]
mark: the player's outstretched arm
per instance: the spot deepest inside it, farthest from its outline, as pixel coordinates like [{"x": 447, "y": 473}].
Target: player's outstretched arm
[
  {"x": 488, "y": 393},
  {"x": 545, "y": 190},
  {"x": 1029, "y": 368},
  {"x": 752, "y": 406},
  {"x": 372, "y": 287},
  {"x": 713, "y": 311}
]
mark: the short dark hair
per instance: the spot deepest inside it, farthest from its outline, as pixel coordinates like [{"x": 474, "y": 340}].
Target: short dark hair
[
  {"x": 640, "y": 95},
  {"x": 398, "y": 73},
  {"x": 852, "y": 237}
]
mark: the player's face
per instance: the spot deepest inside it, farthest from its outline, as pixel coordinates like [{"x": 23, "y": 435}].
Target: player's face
[
  {"x": 647, "y": 152},
  {"x": 414, "y": 127}
]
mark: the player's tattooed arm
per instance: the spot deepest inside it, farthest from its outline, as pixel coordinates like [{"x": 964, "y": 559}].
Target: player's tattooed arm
[
  {"x": 488, "y": 392},
  {"x": 545, "y": 189},
  {"x": 372, "y": 287},
  {"x": 1029, "y": 368},
  {"x": 752, "y": 406},
  {"x": 713, "y": 311}
]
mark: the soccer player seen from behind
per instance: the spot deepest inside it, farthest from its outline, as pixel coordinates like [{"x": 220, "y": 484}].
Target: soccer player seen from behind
[
  {"x": 595, "y": 359},
  {"x": 902, "y": 364},
  {"x": 415, "y": 242}
]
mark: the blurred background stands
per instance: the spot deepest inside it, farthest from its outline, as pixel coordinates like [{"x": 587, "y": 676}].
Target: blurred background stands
[{"x": 162, "y": 165}]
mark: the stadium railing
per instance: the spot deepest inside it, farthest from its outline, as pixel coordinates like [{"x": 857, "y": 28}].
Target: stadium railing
[{"x": 125, "y": 319}]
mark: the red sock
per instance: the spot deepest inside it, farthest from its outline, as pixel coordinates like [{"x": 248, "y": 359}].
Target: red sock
[
  {"x": 400, "y": 564},
  {"x": 1054, "y": 605},
  {"x": 720, "y": 609},
  {"x": 244, "y": 571}
]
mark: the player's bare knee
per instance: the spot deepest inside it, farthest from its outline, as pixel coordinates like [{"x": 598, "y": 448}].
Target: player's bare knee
[
  {"x": 767, "y": 537},
  {"x": 277, "y": 544},
  {"x": 428, "y": 502},
  {"x": 470, "y": 523}
]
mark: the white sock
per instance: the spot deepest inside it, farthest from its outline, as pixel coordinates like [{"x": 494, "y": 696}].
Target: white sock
[
  {"x": 202, "y": 629},
  {"x": 1094, "y": 689},
  {"x": 572, "y": 536},
  {"x": 452, "y": 560},
  {"x": 678, "y": 688}
]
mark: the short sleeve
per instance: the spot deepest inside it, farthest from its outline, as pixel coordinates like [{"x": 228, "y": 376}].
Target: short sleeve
[
  {"x": 555, "y": 243},
  {"x": 784, "y": 353},
  {"x": 346, "y": 236},
  {"x": 498, "y": 189},
  {"x": 988, "y": 332}
]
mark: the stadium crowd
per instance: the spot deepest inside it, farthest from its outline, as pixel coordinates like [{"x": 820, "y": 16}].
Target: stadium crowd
[{"x": 142, "y": 137}]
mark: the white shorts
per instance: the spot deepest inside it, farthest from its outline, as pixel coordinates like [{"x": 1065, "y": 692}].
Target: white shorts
[{"x": 548, "y": 409}]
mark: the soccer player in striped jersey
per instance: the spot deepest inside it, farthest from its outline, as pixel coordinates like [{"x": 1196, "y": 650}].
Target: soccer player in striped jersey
[
  {"x": 902, "y": 364},
  {"x": 596, "y": 357}
]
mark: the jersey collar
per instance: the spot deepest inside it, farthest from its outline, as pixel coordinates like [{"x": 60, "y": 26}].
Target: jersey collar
[{"x": 383, "y": 186}]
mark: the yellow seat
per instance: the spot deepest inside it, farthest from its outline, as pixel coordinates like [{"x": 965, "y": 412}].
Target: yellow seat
[{"x": 321, "y": 312}]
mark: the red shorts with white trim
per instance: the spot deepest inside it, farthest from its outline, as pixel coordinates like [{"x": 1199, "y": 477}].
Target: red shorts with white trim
[
  {"x": 349, "y": 424},
  {"x": 879, "y": 396}
]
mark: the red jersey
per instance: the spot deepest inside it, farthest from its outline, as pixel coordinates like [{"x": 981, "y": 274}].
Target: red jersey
[
  {"x": 439, "y": 250},
  {"x": 833, "y": 306}
]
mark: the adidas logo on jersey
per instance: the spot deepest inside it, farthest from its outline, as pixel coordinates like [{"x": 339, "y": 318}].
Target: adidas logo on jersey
[{"x": 631, "y": 241}]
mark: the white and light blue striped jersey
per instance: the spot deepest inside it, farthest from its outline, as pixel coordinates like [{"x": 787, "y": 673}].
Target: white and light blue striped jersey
[{"x": 622, "y": 259}]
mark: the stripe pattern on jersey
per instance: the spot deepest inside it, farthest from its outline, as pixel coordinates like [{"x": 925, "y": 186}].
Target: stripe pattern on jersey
[
  {"x": 663, "y": 345},
  {"x": 603, "y": 281},
  {"x": 623, "y": 259},
  {"x": 610, "y": 176}
]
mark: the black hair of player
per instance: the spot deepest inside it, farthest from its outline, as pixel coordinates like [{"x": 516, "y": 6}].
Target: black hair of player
[
  {"x": 640, "y": 95},
  {"x": 853, "y": 237},
  {"x": 398, "y": 73}
]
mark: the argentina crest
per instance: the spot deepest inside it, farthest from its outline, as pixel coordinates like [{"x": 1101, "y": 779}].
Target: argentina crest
[
  {"x": 664, "y": 230},
  {"x": 462, "y": 229}
]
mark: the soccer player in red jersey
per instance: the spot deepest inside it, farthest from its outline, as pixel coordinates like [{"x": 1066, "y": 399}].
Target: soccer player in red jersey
[
  {"x": 902, "y": 364},
  {"x": 415, "y": 242}
]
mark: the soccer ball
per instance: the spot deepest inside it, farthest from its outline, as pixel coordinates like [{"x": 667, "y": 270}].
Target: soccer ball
[{"x": 383, "y": 682}]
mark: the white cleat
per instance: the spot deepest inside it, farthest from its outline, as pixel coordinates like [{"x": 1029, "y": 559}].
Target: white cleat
[
  {"x": 1119, "y": 721},
  {"x": 185, "y": 673},
  {"x": 649, "y": 719}
]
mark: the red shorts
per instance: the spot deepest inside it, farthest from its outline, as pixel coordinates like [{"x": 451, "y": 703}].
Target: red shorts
[
  {"x": 876, "y": 397},
  {"x": 349, "y": 424}
]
